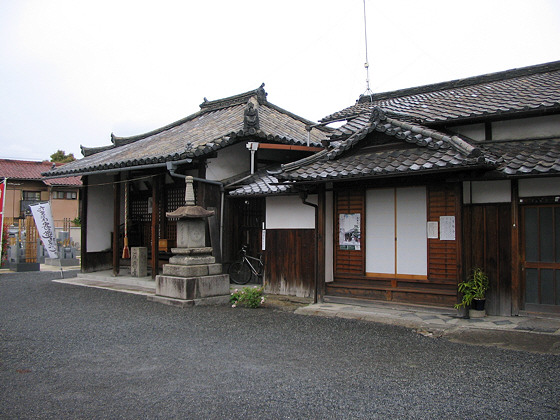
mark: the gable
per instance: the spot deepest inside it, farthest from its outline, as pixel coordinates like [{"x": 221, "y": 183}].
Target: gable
[{"x": 217, "y": 125}]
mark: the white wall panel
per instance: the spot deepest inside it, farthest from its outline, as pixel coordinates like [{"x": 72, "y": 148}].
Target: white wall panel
[
  {"x": 539, "y": 187},
  {"x": 412, "y": 254},
  {"x": 380, "y": 231},
  {"x": 527, "y": 128},
  {"x": 480, "y": 192},
  {"x": 288, "y": 212},
  {"x": 473, "y": 131},
  {"x": 99, "y": 213},
  {"x": 232, "y": 160}
]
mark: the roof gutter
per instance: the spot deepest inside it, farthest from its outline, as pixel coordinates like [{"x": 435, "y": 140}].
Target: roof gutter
[{"x": 121, "y": 169}]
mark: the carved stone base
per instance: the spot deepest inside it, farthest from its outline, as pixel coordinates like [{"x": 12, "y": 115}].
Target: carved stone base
[
  {"x": 181, "y": 303},
  {"x": 189, "y": 288},
  {"x": 192, "y": 270}
]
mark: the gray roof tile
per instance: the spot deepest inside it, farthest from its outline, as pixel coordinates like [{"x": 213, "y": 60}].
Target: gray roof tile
[
  {"x": 526, "y": 90},
  {"x": 259, "y": 184},
  {"x": 536, "y": 157},
  {"x": 217, "y": 125}
]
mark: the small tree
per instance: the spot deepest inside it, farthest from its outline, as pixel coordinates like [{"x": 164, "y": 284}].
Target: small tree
[{"x": 61, "y": 157}]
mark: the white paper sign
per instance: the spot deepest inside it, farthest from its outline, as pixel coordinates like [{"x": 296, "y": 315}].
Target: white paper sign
[
  {"x": 432, "y": 229},
  {"x": 44, "y": 221},
  {"x": 447, "y": 228}
]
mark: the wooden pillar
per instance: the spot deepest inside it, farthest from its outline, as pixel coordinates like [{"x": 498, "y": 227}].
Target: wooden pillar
[
  {"x": 320, "y": 232},
  {"x": 84, "y": 225},
  {"x": 156, "y": 180},
  {"x": 458, "y": 191},
  {"x": 116, "y": 223},
  {"x": 515, "y": 251},
  {"x": 202, "y": 188},
  {"x": 164, "y": 196}
]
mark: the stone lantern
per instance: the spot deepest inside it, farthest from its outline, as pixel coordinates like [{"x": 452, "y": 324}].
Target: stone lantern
[{"x": 192, "y": 276}]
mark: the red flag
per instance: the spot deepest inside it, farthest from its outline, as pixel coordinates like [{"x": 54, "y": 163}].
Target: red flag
[{"x": 2, "y": 192}]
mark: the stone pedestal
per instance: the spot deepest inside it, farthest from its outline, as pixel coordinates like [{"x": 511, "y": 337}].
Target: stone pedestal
[
  {"x": 192, "y": 277},
  {"x": 138, "y": 261}
]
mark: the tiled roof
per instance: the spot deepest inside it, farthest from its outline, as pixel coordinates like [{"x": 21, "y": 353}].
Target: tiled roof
[
  {"x": 383, "y": 163},
  {"x": 520, "y": 91},
  {"x": 406, "y": 149},
  {"x": 413, "y": 117},
  {"x": 258, "y": 184},
  {"x": 32, "y": 170},
  {"x": 527, "y": 157},
  {"x": 217, "y": 125}
]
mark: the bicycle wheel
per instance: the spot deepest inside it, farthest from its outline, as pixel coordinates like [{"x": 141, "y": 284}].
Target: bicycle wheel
[{"x": 239, "y": 273}]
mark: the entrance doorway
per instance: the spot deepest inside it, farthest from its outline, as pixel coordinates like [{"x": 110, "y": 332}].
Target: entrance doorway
[{"x": 541, "y": 257}]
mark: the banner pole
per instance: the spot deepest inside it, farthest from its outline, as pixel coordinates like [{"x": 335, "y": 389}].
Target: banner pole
[{"x": 3, "y": 198}]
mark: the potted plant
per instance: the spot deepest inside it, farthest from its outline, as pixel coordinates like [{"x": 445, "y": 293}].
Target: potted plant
[{"x": 474, "y": 291}]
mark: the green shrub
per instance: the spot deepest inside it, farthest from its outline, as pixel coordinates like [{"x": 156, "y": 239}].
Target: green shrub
[
  {"x": 474, "y": 288},
  {"x": 251, "y": 297}
]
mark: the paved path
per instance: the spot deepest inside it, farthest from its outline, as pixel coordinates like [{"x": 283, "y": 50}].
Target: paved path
[
  {"x": 81, "y": 352},
  {"x": 436, "y": 319}
]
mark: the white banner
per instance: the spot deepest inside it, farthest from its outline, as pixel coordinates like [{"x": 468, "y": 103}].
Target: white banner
[{"x": 44, "y": 221}]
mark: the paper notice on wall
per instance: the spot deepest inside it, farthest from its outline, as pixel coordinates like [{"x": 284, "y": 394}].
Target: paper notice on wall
[
  {"x": 45, "y": 226},
  {"x": 432, "y": 230},
  {"x": 447, "y": 228}
]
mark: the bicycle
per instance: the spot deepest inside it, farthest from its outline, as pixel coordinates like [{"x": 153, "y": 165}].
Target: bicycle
[{"x": 241, "y": 272}]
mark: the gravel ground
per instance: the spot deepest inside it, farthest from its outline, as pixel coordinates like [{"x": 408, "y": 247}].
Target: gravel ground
[{"x": 76, "y": 352}]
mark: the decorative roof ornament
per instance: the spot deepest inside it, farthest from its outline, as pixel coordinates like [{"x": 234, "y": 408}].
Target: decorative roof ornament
[
  {"x": 377, "y": 114},
  {"x": 261, "y": 94},
  {"x": 251, "y": 118}
]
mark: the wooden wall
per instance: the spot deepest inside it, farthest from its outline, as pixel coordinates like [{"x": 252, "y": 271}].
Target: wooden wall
[
  {"x": 349, "y": 261},
  {"x": 290, "y": 261},
  {"x": 439, "y": 287}
]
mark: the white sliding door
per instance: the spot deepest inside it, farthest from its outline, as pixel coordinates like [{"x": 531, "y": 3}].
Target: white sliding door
[
  {"x": 412, "y": 252},
  {"x": 395, "y": 228},
  {"x": 380, "y": 231}
]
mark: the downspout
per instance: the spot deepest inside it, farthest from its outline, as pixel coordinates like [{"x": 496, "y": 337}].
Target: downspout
[
  {"x": 303, "y": 197},
  {"x": 172, "y": 167},
  {"x": 253, "y": 147}
]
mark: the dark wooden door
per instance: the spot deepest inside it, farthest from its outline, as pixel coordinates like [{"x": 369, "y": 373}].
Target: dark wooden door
[
  {"x": 541, "y": 257},
  {"x": 487, "y": 245}
]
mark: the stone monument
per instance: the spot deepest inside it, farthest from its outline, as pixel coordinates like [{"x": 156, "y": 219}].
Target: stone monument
[{"x": 192, "y": 276}]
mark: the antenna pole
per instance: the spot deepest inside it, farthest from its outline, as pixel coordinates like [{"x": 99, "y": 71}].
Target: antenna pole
[{"x": 366, "y": 65}]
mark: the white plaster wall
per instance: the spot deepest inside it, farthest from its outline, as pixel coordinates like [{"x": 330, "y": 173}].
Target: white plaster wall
[
  {"x": 232, "y": 160},
  {"x": 539, "y": 187},
  {"x": 538, "y": 127},
  {"x": 288, "y": 212},
  {"x": 473, "y": 131},
  {"x": 329, "y": 239},
  {"x": 99, "y": 213},
  {"x": 486, "y": 192}
]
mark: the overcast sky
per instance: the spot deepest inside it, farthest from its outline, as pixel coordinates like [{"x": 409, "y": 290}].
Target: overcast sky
[{"x": 74, "y": 71}]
